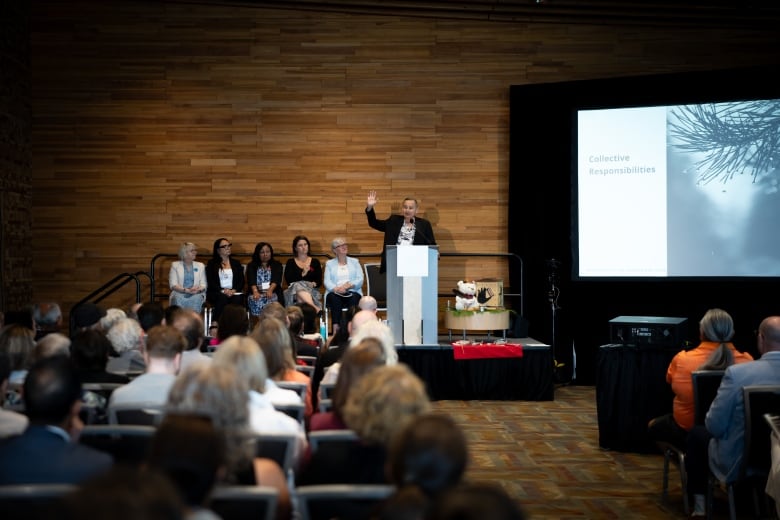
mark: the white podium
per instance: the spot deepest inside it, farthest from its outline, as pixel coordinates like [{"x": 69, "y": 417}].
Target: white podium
[{"x": 412, "y": 294}]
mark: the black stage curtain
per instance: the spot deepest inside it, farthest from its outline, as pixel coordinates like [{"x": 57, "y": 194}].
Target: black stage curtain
[
  {"x": 631, "y": 389},
  {"x": 529, "y": 378}
]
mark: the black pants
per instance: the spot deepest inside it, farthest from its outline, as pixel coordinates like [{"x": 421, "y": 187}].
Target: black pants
[{"x": 336, "y": 302}]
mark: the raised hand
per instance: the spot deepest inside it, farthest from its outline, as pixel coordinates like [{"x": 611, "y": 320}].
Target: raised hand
[{"x": 371, "y": 199}]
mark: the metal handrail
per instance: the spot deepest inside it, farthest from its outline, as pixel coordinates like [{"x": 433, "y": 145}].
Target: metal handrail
[
  {"x": 510, "y": 256},
  {"x": 109, "y": 288}
]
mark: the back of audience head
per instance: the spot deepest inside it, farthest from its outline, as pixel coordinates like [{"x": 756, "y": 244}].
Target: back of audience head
[
  {"x": 717, "y": 326},
  {"x": 89, "y": 350},
  {"x": 376, "y": 329},
  {"x": 431, "y": 452},
  {"x": 356, "y": 362},
  {"x": 368, "y": 303},
  {"x": 360, "y": 318},
  {"x": 233, "y": 321},
  {"x": 274, "y": 310},
  {"x": 169, "y": 313},
  {"x": 165, "y": 343},
  {"x": 126, "y": 334},
  {"x": 190, "y": 324},
  {"x": 52, "y": 392},
  {"x": 380, "y": 405},
  {"x": 244, "y": 355},
  {"x": 769, "y": 334},
  {"x": 309, "y": 318},
  {"x": 125, "y": 493},
  {"x": 112, "y": 316},
  {"x": 52, "y": 344},
  {"x": 274, "y": 340},
  {"x": 87, "y": 316},
  {"x": 215, "y": 390},
  {"x": 295, "y": 317},
  {"x": 189, "y": 450},
  {"x": 47, "y": 316},
  {"x": 150, "y": 314},
  {"x": 476, "y": 501},
  {"x": 17, "y": 342}
]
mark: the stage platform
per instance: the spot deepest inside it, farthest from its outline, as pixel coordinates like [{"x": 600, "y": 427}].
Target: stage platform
[{"x": 489, "y": 371}]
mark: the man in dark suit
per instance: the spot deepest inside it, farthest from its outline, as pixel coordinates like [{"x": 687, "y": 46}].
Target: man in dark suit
[
  {"x": 405, "y": 228},
  {"x": 45, "y": 452}
]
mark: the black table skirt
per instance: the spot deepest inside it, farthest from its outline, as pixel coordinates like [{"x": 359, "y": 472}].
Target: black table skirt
[
  {"x": 529, "y": 378},
  {"x": 631, "y": 389}
]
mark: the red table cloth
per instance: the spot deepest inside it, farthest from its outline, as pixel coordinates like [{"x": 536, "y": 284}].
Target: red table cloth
[{"x": 486, "y": 351}]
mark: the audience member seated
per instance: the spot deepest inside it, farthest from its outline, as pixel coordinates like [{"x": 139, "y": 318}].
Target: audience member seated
[
  {"x": 355, "y": 363},
  {"x": 48, "y": 319},
  {"x": 303, "y": 275},
  {"x": 244, "y": 355},
  {"x": 17, "y": 344},
  {"x": 188, "y": 449},
  {"x": 333, "y": 349},
  {"x": 377, "y": 408},
  {"x": 232, "y": 322},
  {"x": 368, "y": 303},
  {"x": 476, "y": 501},
  {"x": 187, "y": 279},
  {"x": 127, "y": 339},
  {"x": 717, "y": 446},
  {"x": 164, "y": 346},
  {"x": 274, "y": 339},
  {"x": 112, "y": 316},
  {"x": 11, "y": 423},
  {"x": 715, "y": 352},
  {"x": 89, "y": 354},
  {"x": 303, "y": 347},
  {"x": 150, "y": 314},
  {"x": 343, "y": 281},
  {"x": 224, "y": 278},
  {"x": 125, "y": 493},
  {"x": 47, "y": 452},
  {"x": 264, "y": 280},
  {"x": 371, "y": 328},
  {"x": 218, "y": 392},
  {"x": 427, "y": 458},
  {"x": 52, "y": 344},
  {"x": 311, "y": 331},
  {"x": 87, "y": 316},
  {"x": 190, "y": 324}
]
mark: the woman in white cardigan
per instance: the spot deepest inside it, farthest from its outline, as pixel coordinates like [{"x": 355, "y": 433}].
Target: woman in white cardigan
[{"x": 187, "y": 279}]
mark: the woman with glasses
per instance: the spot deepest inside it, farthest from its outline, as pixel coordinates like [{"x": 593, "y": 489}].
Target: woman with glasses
[
  {"x": 343, "y": 281},
  {"x": 187, "y": 279},
  {"x": 303, "y": 275},
  {"x": 224, "y": 278}
]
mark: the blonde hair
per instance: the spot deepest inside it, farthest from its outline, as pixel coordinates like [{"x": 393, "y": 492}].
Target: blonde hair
[
  {"x": 276, "y": 343},
  {"x": 378, "y": 330},
  {"x": 380, "y": 405},
  {"x": 244, "y": 355},
  {"x": 183, "y": 249},
  {"x": 218, "y": 392}
]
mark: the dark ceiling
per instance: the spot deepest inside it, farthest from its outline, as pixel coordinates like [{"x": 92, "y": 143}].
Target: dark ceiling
[{"x": 731, "y": 13}]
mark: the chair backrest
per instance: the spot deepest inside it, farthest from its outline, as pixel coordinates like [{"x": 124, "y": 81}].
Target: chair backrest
[
  {"x": 148, "y": 414},
  {"x": 376, "y": 285},
  {"x": 22, "y": 502},
  {"x": 279, "y": 447},
  {"x": 705, "y": 388},
  {"x": 326, "y": 390},
  {"x": 296, "y": 386},
  {"x": 325, "y": 405},
  {"x": 245, "y": 502},
  {"x": 309, "y": 360},
  {"x": 295, "y": 410},
  {"x": 127, "y": 443},
  {"x": 759, "y": 401},
  {"x": 319, "y": 438},
  {"x": 340, "y": 500}
]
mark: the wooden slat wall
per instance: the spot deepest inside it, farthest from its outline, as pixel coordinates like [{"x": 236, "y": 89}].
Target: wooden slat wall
[{"x": 156, "y": 123}]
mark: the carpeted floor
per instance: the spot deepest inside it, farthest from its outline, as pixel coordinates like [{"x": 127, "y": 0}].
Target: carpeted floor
[{"x": 546, "y": 454}]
